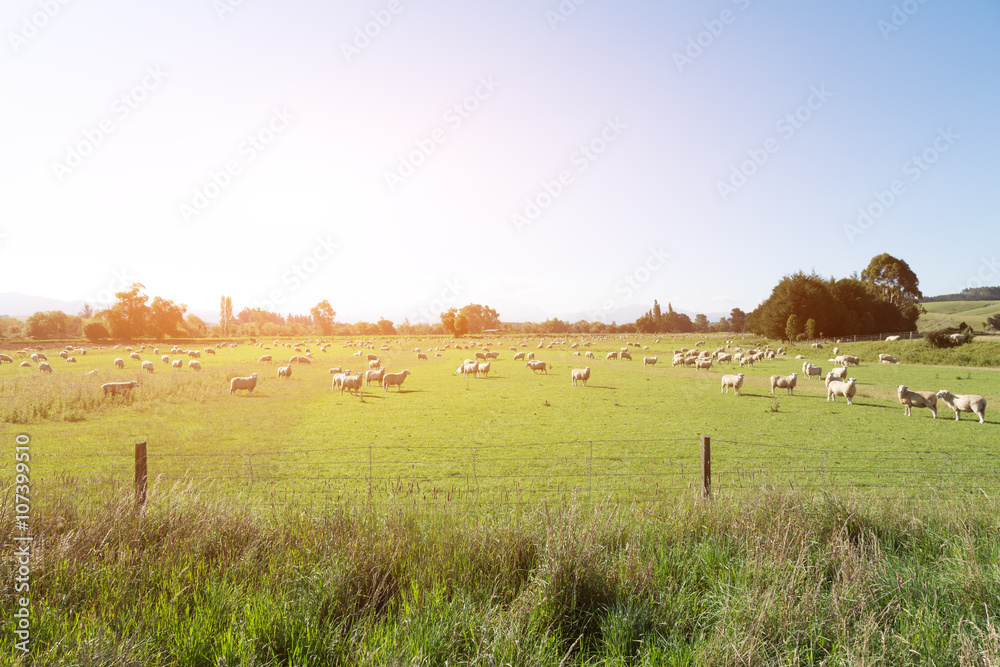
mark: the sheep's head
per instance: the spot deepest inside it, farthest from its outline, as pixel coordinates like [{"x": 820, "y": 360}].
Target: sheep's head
[{"x": 901, "y": 389}]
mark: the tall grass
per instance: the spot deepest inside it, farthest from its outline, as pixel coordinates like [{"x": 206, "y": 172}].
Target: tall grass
[{"x": 774, "y": 578}]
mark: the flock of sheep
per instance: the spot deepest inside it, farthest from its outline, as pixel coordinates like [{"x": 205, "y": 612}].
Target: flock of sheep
[{"x": 836, "y": 381}]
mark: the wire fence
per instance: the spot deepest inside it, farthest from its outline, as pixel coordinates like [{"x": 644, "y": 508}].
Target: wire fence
[{"x": 644, "y": 471}]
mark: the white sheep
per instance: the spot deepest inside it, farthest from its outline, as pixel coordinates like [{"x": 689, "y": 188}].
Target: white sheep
[
  {"x": 165, "y": 359},
  {"x": 964, "y": 403},
  {"x": 531, "y": 355},
  {"x": 374, "y": 357},
  {"x": 537, "y": 366},
  {"x": 724, "y": 358},
  {"x": 394, "y": 379},
  {"x": 612, "y": 355},
  {"x": 285, "y": 371},
  {"x": 44, "y": 367},
  {"x": 520, "y": 355},
  {"x": 890, "y": 339},
  {"x": 118, "y": 387},
  {"x": 194, "y": 365},
  {"x": 209, "y": 350},
  {"x": 887, "y": 359},
  {"x": 64, "y": 354},
  {"x": 581, "y": 375},
  {"x": 784, "y": 382},
  {"x": 626, "y": 355},
  {"x": 147, "y": 366},
  {"x": 374, "y": 376},
  {"x": 242, "y": 383},
  {"x": 374, "y": 364},
  {"x": 703, "y": 363},
  {"x": 25, "y": 364},
  {"x": 177, "y": 363},
  {"x": 351, "y": 382},
  {"x": 920, "y": 399},
  {"x": 837, "y": 388},
  {"x": 838, "y": 373},
  {"x": 588, "y": 353},
  {"x": 266, "y": 359},
  {"x": 847, "y": 360},
  {"x": 649, "y": 361},
  {"x": 420, "y": 355},
  {"x": 4, "y": 357},
  {"x": 484, "y": 369},
  {"x": 734, "y": 381},
  {"x": 810, "y": 370}
]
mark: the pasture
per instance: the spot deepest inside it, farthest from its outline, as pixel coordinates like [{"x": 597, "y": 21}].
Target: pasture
[
  {"x": 632, "y": 427},
  {"x": 942, "y": 314},
  {"x": 513, "y": 519}
]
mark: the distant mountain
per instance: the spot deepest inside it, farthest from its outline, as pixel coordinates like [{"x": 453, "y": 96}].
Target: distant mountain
[
  {"x": 970, "y": 294},
  {"x": 16, "y": 304}
]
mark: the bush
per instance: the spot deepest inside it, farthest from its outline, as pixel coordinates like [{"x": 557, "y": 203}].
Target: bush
[
  {"x": 942, "y": 338},
  {"x": 95, "y": 331}
]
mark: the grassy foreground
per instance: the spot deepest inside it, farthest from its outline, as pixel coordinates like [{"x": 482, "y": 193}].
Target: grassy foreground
[{"x": 771, "y": 578}]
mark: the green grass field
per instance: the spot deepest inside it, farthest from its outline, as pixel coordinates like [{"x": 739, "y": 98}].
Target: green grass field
[
  {"x": 514, "y": 519},
  {"x": 942, "y": 314}
]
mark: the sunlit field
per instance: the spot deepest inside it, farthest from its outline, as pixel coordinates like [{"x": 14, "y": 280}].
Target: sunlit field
[{"x": 512, "y": 519}]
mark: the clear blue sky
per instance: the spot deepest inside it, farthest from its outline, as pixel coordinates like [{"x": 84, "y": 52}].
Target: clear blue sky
[{"x": 498, "y": 153}]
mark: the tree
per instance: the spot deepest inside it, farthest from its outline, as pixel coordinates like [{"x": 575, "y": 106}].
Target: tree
[
  {"x": 480, "y": 317},
  {"x": 737, "y": 320},
  {"x": 127, "y": 317},
  {"x": 810, "y": 330},
  {"x": 323, "y": 314},
  {"x": 893, "y": 279},
  {"x": 166, "y": 318},
  {"x": 94, "y": 331},
  {"x": 657, "y": 316},
  {"x": 196, "y": 326},
  {"x": 225, "y": 315},
  {"x": 792, "y": 327},
  {"x": 52, "y": 324},
  {"x": 86, "y": 312},
  {"x": 701, "y": 322},
  {"x": 994, "y": 322},
  {"x": 454, "y": 322},
  {"x": 385, "y": 327}
]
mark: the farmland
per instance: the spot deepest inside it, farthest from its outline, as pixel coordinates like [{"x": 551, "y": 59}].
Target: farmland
[{"x": 493, "y": 495}]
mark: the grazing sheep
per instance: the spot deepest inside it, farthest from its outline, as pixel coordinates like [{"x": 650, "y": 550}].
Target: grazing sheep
[
  {"x": 194, "y": 365},
  {"x": 964, "y": 403},
  {"x": 848, "y": 360},
  {"x": 957, "y": 338},
  {"x": 626, "y": 355},
  {"x": 724, "y": 358},
  {"x": 812, "y": 370},
  {"x": 537, "y": 366},
  {"x": 71, "y": 360},
  {"x": 91, "y": 372},
  {"x": 839, "y": 373},
  {"x": 784, "y": 382},
  {"x": 118, "y": 387},
  {"x": 177, "y": 363},
  {"x": 890, "y": 339},
  {"x": 484, "y": 369},
  {"x": 612, "y": 355},
  {"x": 135, "y": 356},
  {"x": 702, "y": 362},
  {"x": 920, "y": 399},
  {"x": 374, "y": 376},
  {"x": 64, "y": 354},
  {"x": 209, "y": 350},
  {"x": 374, "y": 357},
  {"x": 394, "y": 379},
  {"x": 165, "y": 359},
  {"x": 649, "y": 361},
  {"x": 42, "y": 356},
  {"x": 469, "y": 368},
  {"x": 374, "y": 364},
  {"x": 285, "y": 371},
  {"x": 818, "y": 346},
  {"x": 678, "y": 360},
  {"x": 147, "y": 366},
  {"x": 421, "y": 355},
  {"x": 492, "y": 355},
  {"x": 34, "y": 358},
  {"x": 338, "y": 379},
  {"x": 531, "y": 355},
  {"x": 887, "y": 359},
  {"x": 734, "y": 381},
  {"x": 480, "y": 356},
  {"x": 581, "y": 375},
  {"x": 520, "y": 355},
  {"x": 800, "y": 356},
  {"x": 837, "y": 388},
  {"x": 242, "y": 383},
  {"x": 588, "y": 354},
  {"x": 4, "y": 357},
  {"x": 44, "y": 367},
  {"x": 25, "y": 364}
]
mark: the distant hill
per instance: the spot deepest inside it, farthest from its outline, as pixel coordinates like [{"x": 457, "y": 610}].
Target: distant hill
[
  {"x": 970, "y": 294},
  {"x": 950, "y": 313}
]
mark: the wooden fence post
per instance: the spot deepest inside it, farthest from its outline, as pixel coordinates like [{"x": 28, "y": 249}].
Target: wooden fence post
[
  {"x": 706, "y": 466},
  {"x": 140, "y": 473}
]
